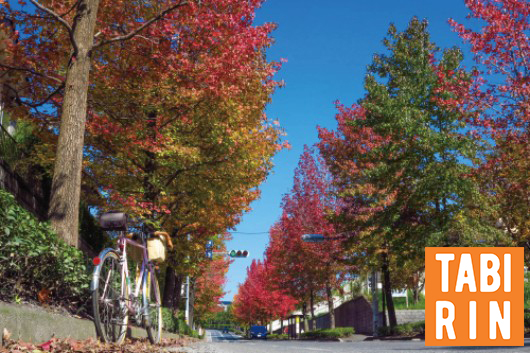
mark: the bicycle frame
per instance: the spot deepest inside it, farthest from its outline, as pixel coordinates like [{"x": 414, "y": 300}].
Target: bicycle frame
[{"x": 145, "y": 270}]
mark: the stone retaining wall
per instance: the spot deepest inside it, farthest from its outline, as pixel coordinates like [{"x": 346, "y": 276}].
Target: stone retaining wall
[
  {"x": 31, "y": 323},
  {"x": 404, "y": 316}
]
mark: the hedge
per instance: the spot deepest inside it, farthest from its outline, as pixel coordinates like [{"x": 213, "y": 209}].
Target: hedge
[
  {"x": 329, "y": 333},
  {"x": 408, "y": 329},
  {"x": 281, "y": 336}
]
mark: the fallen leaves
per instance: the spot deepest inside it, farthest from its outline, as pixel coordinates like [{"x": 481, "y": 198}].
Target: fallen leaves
[{"x": 91, "y": 345}]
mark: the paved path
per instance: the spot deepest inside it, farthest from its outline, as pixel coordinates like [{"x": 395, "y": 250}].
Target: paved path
[{"x": 217, "y": 342}]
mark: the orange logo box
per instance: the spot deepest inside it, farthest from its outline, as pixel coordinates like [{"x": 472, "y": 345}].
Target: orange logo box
[{"x": 474, "y": 296}]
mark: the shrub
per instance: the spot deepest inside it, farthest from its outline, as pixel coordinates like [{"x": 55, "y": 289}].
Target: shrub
[
  {"x": 408, "y": 329},
  {"x": 169, "y": 321},
  {"x": 281, "y": 336},
  {"x": 33, "y": 259},
  {"x": 329, "y": 333}
]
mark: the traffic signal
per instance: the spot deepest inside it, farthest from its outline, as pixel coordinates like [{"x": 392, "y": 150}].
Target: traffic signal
[{"x": 238, "y": 253}]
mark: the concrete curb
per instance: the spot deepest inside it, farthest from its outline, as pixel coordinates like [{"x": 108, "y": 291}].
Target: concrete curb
[
  {"x": 395, "y": 338},
  {"x": 31, "y": 323}
]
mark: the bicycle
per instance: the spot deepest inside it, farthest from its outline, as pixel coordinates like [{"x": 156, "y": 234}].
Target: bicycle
[{"x": 114, "y": 299}]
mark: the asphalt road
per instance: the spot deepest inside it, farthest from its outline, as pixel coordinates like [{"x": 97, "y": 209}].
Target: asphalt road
[{"x": 217, "y": 342}]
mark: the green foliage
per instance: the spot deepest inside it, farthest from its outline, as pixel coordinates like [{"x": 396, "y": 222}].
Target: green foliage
[
  {"x": 329, "y": 334},
  {"x": 281, "y": 336},
  {"x": 222, "y": 319},
  {"x": 408, "y": 329},
  {"x": 32, "y": 259},
  {"x": 401, "y": 304},
  {"x": 174, "y": 324},
  {"x": 170, "y": 323}
]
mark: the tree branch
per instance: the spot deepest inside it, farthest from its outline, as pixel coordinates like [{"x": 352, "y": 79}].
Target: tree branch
[
  {"x": 142, "y": 27},
  {"x": 34, "y": 105},
  {"x": 59, "y": 19},
  {"x": 36, "y": 73}
]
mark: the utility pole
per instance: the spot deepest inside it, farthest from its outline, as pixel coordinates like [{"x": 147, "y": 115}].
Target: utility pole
[{"x": 187, "y": 310}]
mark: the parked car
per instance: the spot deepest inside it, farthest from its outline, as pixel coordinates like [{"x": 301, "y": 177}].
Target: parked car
[{"x": 258, "y": 332}]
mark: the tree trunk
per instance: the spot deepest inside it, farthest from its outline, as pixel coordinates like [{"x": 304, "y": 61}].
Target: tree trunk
[
  {"x": 388, "y": 294},
  {"x": 383, "y": 302},
  {"x": 313, "y": 319},
  {"x": 304, "y": 314},
  {"x": 66, "y": 184},
  {"x": 331, "y": 308},
  {"x": 169, "y": 288},
  {"x": 177, "y": 299}
]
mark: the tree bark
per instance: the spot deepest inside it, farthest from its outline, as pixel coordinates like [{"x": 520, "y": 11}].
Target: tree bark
[
  {"x": 388, "y": 293},
  {"x": 331, "y": 307},
  {"x": 66, "y": 184},
  {"x": 169, "y": 288},
  {"x": 383, "y": 302},
  {"x": 177, "y": 299},
  {"x": 312, "y": 304}
]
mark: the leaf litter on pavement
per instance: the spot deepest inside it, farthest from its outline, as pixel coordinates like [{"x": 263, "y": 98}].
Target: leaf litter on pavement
[{"x": 91, "y": 345}]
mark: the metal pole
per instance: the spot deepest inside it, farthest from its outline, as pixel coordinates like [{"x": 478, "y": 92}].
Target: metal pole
[
  {"x": 187, "y": 311},
  {"x": 375, "y": 306}
]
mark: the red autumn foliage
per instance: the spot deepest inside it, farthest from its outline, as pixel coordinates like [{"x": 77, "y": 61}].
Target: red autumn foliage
[
  {"x": 497, "y": 103},
  {"x": 257, "y": 301},
  {"x": 305, "y": 270}
]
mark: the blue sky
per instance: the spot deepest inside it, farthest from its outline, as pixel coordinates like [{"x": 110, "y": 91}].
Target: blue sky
[{"x": 328, "y": 45}]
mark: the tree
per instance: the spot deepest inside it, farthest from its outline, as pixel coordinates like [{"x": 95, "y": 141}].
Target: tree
[
  {"x": 209, "y": 288},
  {"x": 256, "y": 301},
  {"x": 400, "y": 158},
  {"x": 186, "y": 55},
  {"x": 60, "y": 26},
  {"x": 497, "y": 104},
  {"x": 305, "y": 269}
]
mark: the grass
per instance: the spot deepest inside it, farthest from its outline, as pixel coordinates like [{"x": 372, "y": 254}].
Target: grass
[{"x": 401, "y": 304}]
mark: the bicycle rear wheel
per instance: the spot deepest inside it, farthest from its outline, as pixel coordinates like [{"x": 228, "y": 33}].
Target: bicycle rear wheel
[
  {"x": 109, "y": 299},
  {"x": 153, "y": 307}
]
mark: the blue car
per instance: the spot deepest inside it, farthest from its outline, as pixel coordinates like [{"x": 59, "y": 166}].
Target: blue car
[{"x": 258, "y": 332}]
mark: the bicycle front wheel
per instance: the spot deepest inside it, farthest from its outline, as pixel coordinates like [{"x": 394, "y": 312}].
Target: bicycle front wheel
[
  {"x": 109, "y": 299},
  {"x": 153, "y": 308}
]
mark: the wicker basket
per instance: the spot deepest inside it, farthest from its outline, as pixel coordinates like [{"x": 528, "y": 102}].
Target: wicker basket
[{"x": 156, "y": 249}]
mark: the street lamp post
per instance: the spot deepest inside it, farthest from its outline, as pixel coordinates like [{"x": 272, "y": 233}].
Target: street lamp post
[{"x": 319, "y": 238}]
